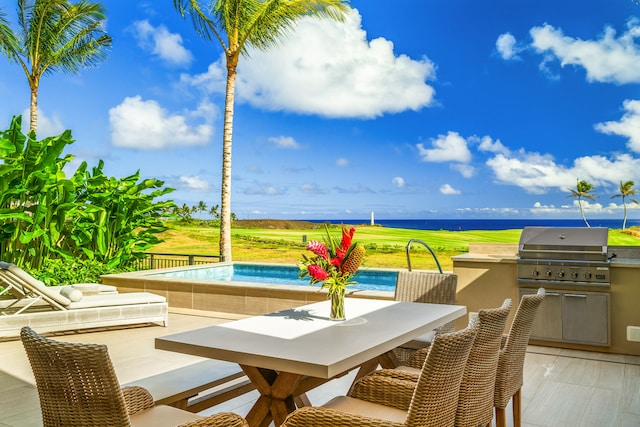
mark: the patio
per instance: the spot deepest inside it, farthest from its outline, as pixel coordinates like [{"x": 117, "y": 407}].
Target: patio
[{"x": 562, "y": 387}]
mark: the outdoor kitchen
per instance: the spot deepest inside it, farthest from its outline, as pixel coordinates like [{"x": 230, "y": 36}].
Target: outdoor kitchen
[{"x": 592, "y": 289}]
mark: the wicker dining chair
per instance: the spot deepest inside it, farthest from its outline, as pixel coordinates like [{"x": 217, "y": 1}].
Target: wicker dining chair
[
  {"x": 510, "y": 374},
  {"x": 425, "y": 287},
  {"x": 77, "y": 386},
  {"x": 434, "y": 396},
  {"x": 475, "y": 403}
]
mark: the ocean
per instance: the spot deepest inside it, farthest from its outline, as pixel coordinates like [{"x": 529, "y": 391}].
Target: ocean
[{"x": 485, "y": 224}]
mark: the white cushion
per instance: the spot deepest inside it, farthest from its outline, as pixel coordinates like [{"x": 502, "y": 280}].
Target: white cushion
[
  {"x": 108, "y": 300},
  {"x": 367, "y": 409},
  {"x": 95, "y": 288},
  {"x": 73, "y": 294}
]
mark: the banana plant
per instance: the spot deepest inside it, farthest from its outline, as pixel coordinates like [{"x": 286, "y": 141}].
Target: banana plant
[{"x": 45, "y": 215}]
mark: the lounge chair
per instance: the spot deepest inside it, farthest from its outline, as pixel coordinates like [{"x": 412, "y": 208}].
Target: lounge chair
[
  {"x": 51, "y": 309},
  {"x": 21, "y": 300}
]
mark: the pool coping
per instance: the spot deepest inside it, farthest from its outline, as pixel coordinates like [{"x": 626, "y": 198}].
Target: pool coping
[{"x": 228, "y": 297}]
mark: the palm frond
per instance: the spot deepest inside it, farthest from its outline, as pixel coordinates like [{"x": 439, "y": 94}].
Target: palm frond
[
  {"x": 202, "y": 18},
  {"x": 9, "y": 42},
  {"x": 275, "y": 19}
]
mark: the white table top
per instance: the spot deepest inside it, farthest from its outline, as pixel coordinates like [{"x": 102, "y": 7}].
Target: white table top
[{"x": 305, "y": 341}]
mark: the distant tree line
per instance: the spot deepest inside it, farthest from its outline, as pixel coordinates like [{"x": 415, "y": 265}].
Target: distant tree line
[
  {"x": 186, "y": 213},
  {"x": 586, "y": 191}
]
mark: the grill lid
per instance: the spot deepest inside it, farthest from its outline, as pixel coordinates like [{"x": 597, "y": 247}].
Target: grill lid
[{"x": 564, "y": 243}]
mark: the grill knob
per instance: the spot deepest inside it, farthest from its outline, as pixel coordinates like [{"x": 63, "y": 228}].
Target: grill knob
[
  {"x": 548, "y": 273},
  {"x": 535, "y": 273},
  {"x": 574, "y": 274},
  {"x": 560, "y": 274},
  {"x": 587, "y": 275}
]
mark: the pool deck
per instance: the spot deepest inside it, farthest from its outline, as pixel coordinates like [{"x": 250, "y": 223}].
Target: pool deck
[{"x": 561, "y": 387}]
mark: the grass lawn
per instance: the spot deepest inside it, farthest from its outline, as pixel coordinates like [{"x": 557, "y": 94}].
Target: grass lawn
[{"x": 282, "y": 242}]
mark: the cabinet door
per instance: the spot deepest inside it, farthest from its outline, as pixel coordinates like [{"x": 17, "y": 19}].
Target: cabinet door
[
  {"x": 586, "y": 318},
  {"x": 547, "y": 325}
]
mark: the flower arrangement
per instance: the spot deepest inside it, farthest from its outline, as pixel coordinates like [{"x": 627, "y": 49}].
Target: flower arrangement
[{"x": 333, "y": 265}]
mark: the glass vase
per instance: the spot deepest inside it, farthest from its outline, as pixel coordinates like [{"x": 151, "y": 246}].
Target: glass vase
[{"x": 337, "y": 304}]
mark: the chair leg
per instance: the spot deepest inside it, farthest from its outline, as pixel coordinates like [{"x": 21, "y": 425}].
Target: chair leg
[
  {"x": 516, "y": 401},
  {"x": 501, "y": 418}
]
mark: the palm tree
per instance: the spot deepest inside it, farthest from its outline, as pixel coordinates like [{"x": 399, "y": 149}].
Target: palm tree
[
  {"x": 584, "y": 190},
  {"x": 54, "y": 35},
  {"x": 214, "y": 212},
  {"x": 247, "y": 23},
  {"x": 202, "y": 207},
  {"x": 626, "y": 190}
]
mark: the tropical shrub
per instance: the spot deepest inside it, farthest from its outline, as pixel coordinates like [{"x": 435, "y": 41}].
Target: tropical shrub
[
  {"x": 44, "y": 215},
  {"x": 55, "y": 272}
]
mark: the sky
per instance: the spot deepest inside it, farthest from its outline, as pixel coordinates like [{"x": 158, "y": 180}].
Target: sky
[{"x": 413, "y": 109}]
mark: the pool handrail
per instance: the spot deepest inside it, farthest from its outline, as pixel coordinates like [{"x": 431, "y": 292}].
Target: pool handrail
[{"x": 433, "y": 254}]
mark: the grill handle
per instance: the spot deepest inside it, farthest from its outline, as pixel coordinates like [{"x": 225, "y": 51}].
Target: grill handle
[
  {"x": 556, "y": 251},
  {"x": 575, "y": 295}
]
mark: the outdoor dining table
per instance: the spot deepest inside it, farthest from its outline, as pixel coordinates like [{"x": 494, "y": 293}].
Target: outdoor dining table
[{"x": 287, "y": 353}]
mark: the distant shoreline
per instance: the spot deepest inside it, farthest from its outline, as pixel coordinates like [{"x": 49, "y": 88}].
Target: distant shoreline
[{"x": 455, "y": 224}]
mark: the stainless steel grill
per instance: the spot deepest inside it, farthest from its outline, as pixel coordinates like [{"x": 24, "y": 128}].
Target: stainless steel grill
[{"x": 550, "y": 256}]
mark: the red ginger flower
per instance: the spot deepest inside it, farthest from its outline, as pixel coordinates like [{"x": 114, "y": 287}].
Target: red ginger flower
[
  {"x": 317, "y": 272},
  {"x": 318, "y": 248},
  {"x": 345, "y": 244}
]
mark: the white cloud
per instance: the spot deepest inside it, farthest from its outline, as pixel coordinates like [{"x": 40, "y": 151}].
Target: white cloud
[
  {"x": 537, "y": 173},
  {"x": 312, "y": 188},
  {"x": 398, "y": 181},
  {"x": 328, "y": 68},
  {"x": 162, "y": 43},
  {"x": 628, "y": 126},
  {"x": 284, "y": 142},
  {"x": 446, "y": 148},
  {"x": 588, "y": 206},
  {"x": 507, "y": 47},
  {"x": 146, "y": 125},
  {"x": 263, "y": 189},
  {"x": 448, "y": 189},
  {"x": 212, "y": 81},
  {"x": 539, "y": 207},
  {"x": 47, "y": 125},
  {"x": 358, "y": 189},
  {"x": 465, "y": 170},
  {"x": 194, "y": 183},
  {"x": 342, "y": 162},
  {"x": 607, "y": 59},
  {"x": 488, "y": 145}
]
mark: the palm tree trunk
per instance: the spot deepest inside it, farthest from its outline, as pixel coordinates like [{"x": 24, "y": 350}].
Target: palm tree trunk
[
  {"x": 227, "y": 137},
  {"x": 33, "y": 109},
  {"x": 624, "y": 220},
  {"x": 584, "y": 218}
]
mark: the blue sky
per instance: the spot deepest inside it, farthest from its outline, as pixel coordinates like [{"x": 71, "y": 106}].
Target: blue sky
[{"x": 421, "y": 109}]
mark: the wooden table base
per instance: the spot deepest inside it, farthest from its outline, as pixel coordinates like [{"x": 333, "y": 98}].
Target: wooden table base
[{"x": 282, "y": 392}]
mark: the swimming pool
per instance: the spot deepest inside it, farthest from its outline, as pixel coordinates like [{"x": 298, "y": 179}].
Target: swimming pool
[{"x": 368, "y": 279}]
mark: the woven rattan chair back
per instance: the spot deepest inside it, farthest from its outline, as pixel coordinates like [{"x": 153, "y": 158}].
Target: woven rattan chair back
[
  {"x": 475, "y": 403},
  {"x": 76, "y": 383},
  {"x": 427, "y": 287},
  {"x": 435, "y": 398},
  {"x": 509, "y": 376}
]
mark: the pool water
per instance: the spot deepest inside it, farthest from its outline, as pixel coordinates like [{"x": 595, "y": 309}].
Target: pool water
[{"x": 367, "y": 279}]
